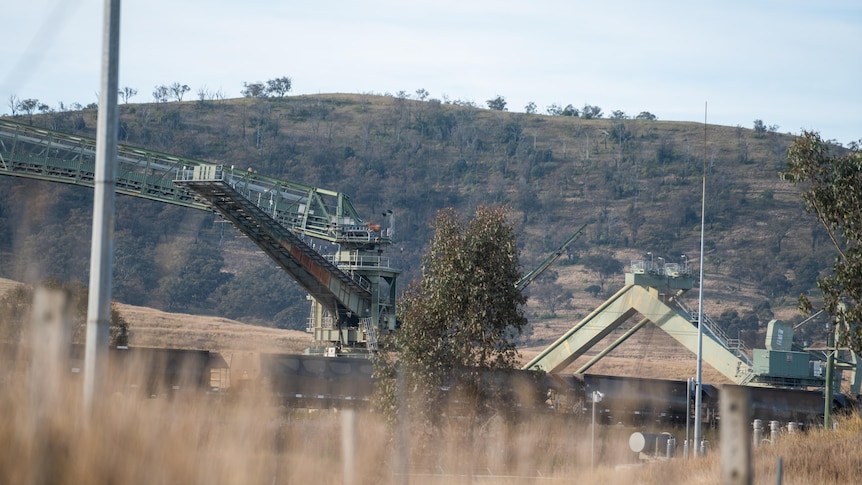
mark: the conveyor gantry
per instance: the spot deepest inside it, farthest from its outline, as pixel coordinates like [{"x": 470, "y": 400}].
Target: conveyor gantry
[
  {"x": 652, "y": 291},
  {"x": 353, "y": 290}
]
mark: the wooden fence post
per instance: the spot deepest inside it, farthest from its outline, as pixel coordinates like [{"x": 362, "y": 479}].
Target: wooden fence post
[{"x": 735, "y": 436}]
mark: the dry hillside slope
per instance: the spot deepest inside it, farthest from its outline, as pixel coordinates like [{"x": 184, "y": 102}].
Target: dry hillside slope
[{"x": 649, "y": 353}]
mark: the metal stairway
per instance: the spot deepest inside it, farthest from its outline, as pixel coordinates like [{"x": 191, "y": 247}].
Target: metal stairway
[
  {"x": 328, "y": 285},
  {"x": 736, "y": 346},
  {"x": 357, "y": 282}
]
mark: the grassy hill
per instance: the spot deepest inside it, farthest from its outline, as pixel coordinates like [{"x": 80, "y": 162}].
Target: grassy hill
[{"x": 637, "y": 183}]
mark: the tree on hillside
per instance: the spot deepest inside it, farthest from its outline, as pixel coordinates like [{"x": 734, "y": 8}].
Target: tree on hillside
[
  {"x": 160, "y": 93},
  {"x": 178, "y": 90},
  {"x": 126, "y": 93},
  {"x": 550, "y": 294},
  {"x": 604, "y": 265},
  {"x": 759, "y": 128},
  {"x": 591, "y": 112},
  {"x": 253, "y": 90},
  {"x": 279, "y": 86},
  {"x": 645, "y": 115},
  {"x": 464, "y": 315},
  {"x": 830, "y": 190},
  {"x": 28, "y": 106},
  {"x": 497, "y": 104},
  {"x": 13, "y": 104}
]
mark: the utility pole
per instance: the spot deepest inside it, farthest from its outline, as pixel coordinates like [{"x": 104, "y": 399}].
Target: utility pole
[{"x": 102, "y": 247}]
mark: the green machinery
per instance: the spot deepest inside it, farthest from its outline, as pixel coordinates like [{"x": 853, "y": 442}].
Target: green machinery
[
  {"x": 352, "y": 290},
  {"x": 652, "y": 292}
]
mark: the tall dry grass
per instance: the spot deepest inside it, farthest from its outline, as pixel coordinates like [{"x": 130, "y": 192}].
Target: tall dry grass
[
  {"x": 184, "y": 436},
  {"x": 180, "y": 434},
  {"x": 200, "y": 437}
]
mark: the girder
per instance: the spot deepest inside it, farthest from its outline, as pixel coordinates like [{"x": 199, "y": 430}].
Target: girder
[
  {"x": 331, "y": 287},
  {"x": 37, "y": 153},
  {"x": 356, "y": 288},
  {"x": 630, "y": 300}
]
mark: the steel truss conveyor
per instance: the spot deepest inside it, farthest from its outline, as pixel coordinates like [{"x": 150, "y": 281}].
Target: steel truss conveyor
[
  {"x": 652, "y": 293},
  {"x": 353, "y": 290}
]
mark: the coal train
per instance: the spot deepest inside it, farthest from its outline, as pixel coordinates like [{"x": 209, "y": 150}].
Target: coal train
[{"x": 309, "y": 381}]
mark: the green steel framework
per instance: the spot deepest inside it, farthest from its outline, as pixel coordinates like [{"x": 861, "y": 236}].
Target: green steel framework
[
  {"x": 652, "y": 292},
  {"x": 353, "y": 291}
]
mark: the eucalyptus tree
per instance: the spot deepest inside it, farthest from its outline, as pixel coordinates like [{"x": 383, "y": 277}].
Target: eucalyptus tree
[
  {"x": 462, "y": 318},
  {"x": 830, "y": 186}
]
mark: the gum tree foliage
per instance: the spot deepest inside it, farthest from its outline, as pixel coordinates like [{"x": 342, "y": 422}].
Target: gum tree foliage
[
  {"x": 605, "y": 265},
  {"x": 590, "y": 112},
  {"x": 463, "y": 316},
  {"x": 830, "y": 186},
  {"x": 253, "y": 90},
  {"x": 497, "y": 104},
  {"x": 161, "y": 93},
  {"x": 177, "y": 90},
  {"x": 279, "y": 86},
  {"x": 126, "y": 93}
]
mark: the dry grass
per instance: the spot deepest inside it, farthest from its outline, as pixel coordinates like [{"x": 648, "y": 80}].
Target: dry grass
[
  {"x": 200, "y": 437},
  {"x": 248, "y": 439},
  {"x": 816, "y": 457}
]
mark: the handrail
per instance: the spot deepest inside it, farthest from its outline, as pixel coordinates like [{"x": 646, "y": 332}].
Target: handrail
[{"x": 736, "y": 345}]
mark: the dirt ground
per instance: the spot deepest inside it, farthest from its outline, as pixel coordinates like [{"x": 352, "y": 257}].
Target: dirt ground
[{"x": 649, "y": 353}]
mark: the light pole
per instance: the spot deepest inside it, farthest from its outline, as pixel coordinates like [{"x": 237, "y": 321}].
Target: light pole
[
  {"x": 596, "y": 397},
  {"x": 699, "y": 375}
]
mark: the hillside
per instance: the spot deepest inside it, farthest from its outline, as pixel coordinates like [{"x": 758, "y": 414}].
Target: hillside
[{"x": 637, "y": 182}]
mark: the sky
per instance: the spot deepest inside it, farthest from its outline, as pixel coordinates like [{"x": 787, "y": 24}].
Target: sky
[{"x": 793, "y": 64}]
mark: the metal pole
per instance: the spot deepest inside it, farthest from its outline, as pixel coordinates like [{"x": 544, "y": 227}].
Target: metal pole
[
  {"x": 828, "y": 391},
  {"x": 687, "y": 442},
  {"x": 101, "y": 251},
  {"x": 698, "y": 435},
  {"x": 593, "y": 442},
  {"x": 349, "y": 424}
]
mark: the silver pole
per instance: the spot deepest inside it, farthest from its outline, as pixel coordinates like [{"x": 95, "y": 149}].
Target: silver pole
[
  {"x": 698, "y": 396},
  {"x": 101, "y": 250},
  {"x": 687, "y": 442},
  {"x": 593, "y": 442},
  {"x": 349, "y": 425}
]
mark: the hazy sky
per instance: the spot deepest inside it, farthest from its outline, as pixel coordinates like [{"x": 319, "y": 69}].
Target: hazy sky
[{"x": 795, "y": 64}]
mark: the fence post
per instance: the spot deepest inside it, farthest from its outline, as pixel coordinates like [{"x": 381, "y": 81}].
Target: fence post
[{"x": 735, "y": 436}]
